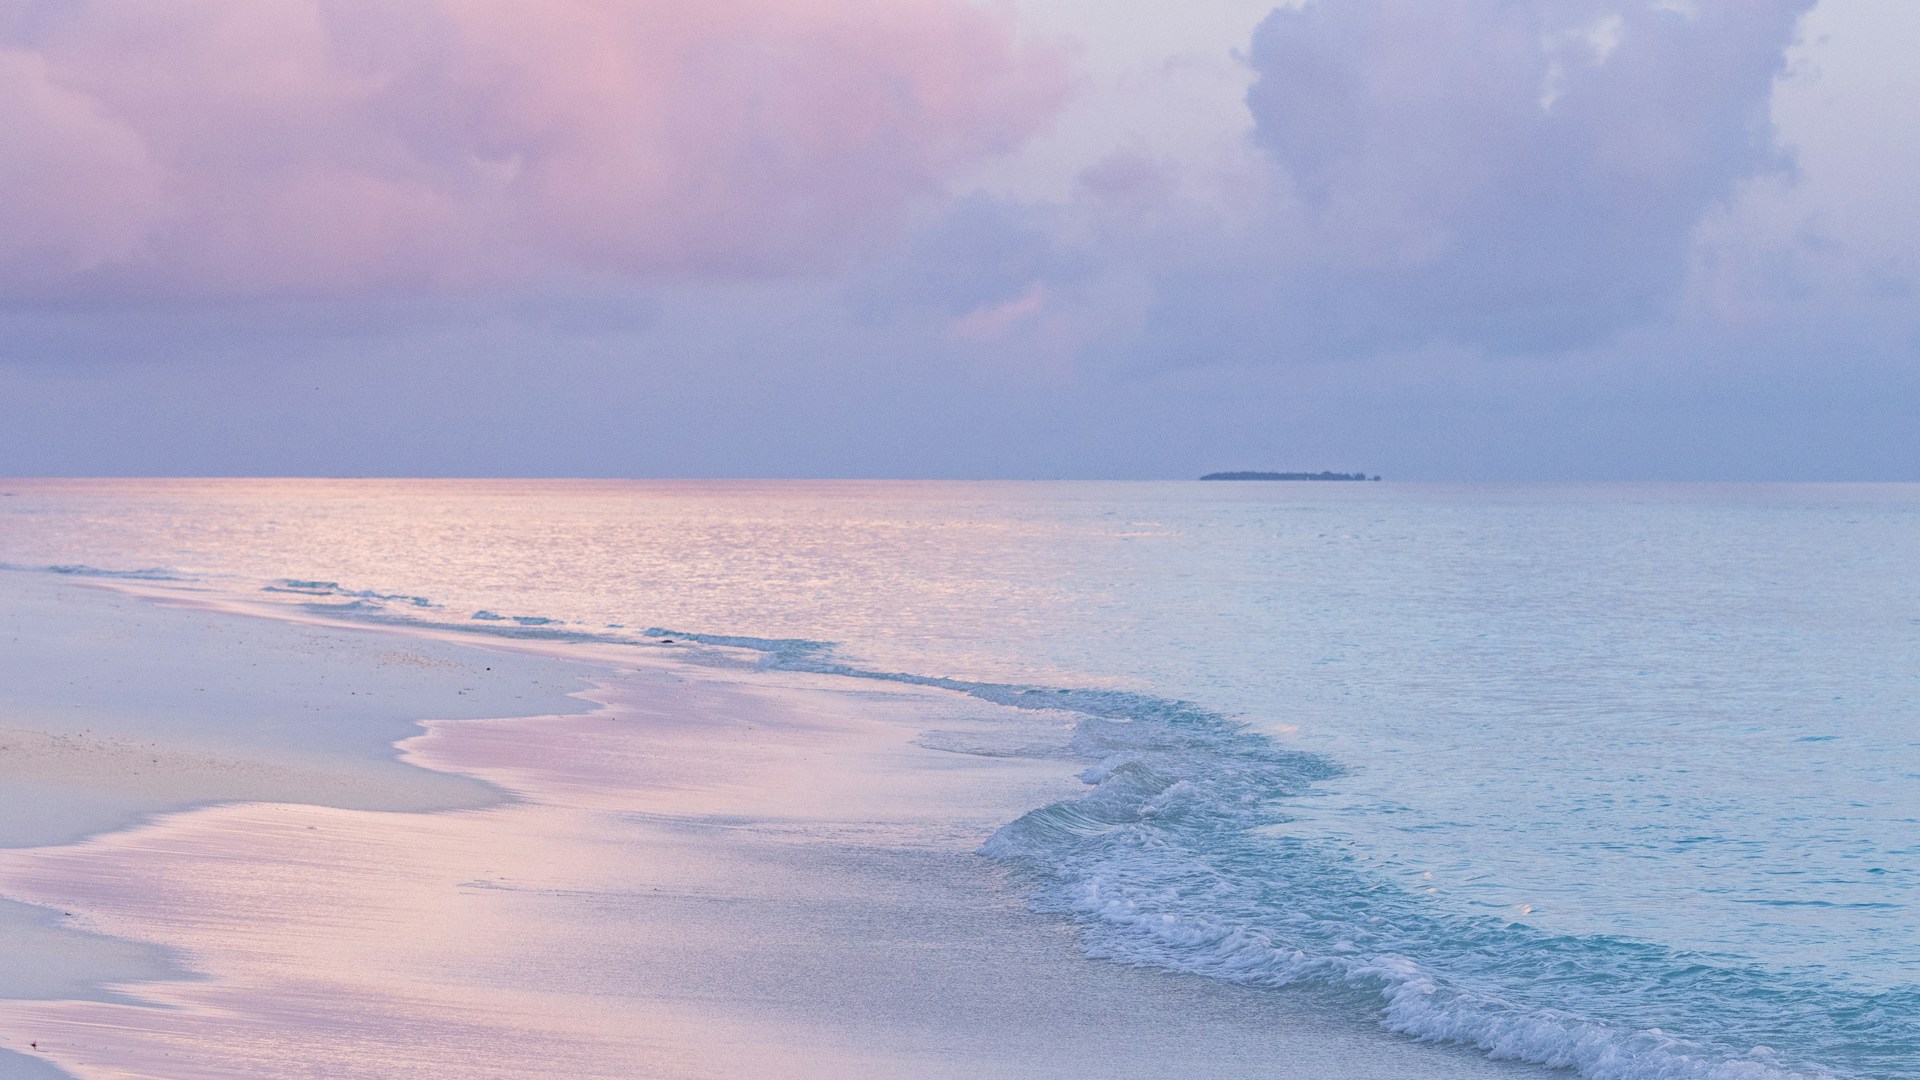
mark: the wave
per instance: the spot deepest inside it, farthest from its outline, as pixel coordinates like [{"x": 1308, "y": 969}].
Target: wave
[
  {"x": 1178, "y": 857},
  {"x": 152, "y": 573},
  {"x": 1172, "y": 860},
  {"x": 332, "y": 588}
]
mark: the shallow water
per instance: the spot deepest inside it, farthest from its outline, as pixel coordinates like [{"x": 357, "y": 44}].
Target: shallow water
[{"x": 1623, "y": 778}]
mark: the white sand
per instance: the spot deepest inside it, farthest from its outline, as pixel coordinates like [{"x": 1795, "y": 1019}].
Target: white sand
[
  {"x": 719, "y": 874},
  {"x": 114, "y": 708}
]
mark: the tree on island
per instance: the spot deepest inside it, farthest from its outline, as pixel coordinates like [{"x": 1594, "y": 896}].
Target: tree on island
[{"x": 1287, "y": 476}]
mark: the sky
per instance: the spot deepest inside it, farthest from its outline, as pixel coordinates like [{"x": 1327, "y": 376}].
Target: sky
[{"x": 1443, "y": 240}]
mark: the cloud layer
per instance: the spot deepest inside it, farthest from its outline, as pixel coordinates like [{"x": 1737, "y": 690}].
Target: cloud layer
[
  {"x": 1524, "y": 177},
  {"x": 1451, "y": 238},
  {"x": 306, "y": 147}
]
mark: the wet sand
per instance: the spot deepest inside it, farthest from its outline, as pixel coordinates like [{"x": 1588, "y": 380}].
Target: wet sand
[{"x": 716, "y": 873}]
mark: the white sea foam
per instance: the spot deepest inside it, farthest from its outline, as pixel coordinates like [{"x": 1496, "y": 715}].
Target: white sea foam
[{"x": 1163, "y": 863}]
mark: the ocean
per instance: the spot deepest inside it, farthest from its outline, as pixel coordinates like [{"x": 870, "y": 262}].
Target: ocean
[{"x": 1623, "y": 779}]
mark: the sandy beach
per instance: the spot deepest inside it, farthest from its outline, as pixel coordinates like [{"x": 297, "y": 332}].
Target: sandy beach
[{"x": 232, "y": 852}]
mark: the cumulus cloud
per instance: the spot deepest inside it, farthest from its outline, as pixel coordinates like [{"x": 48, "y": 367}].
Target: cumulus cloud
[
  {"x": 308, "y": 147},
  {"x": 1518, "y": 175}
]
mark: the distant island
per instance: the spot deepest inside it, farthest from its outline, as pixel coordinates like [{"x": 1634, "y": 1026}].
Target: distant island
[{"x": 1288, "y": 476}]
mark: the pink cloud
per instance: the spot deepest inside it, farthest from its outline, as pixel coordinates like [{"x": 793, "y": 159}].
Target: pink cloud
[
  {"x": 77, "y": 188},
  {"x": 248, "y": 147}
]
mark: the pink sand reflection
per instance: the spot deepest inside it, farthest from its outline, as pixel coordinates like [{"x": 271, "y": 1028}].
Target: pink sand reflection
[{"x": 511, "y": 941}]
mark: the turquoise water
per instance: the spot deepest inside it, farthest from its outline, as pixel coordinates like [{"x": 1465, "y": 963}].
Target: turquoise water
[{"x": 1620, "y": 778}]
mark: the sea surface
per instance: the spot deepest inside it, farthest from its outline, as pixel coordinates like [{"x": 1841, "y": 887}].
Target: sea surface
[{"x": 1624, "y": 779}]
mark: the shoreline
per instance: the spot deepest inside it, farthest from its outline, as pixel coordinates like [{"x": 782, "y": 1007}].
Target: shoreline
[
  {"x": 709, "y": 872},
  {"x": 122, "y": 709}
]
